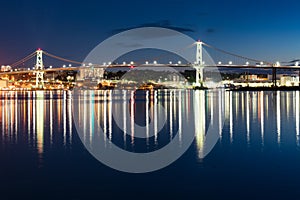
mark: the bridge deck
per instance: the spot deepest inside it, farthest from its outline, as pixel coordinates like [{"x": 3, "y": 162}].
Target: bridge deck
[{"x": 157, "y": 65}]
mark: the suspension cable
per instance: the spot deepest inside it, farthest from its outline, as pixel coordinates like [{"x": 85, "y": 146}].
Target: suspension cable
[
  {"x": 232, "y": 54},
  {"x": 62, "y": 59},
  {"x": 23, "y": 60}
]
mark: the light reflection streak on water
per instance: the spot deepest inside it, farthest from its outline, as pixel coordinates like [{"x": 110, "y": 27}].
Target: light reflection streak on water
[
  {"x": 248, "y": 116},
  {"x": 220, "y": 111},
  {"x": 199, "y": 112},
  {"x": 104, "y": 116},
  {"x": 227, "y": 108},
  {"x": 16, "y": 116},
  {"x": 187, "y": 108},
  {"x": 243, "y": 104},
  {"x": 84, "y": 115},
  {"x": 147, "y": 117},
  {"x": 59, "y": 109},
  {"x": 231, "y": 117},
  {"x": 236, "y": 105},
  {"x": 155, "y": 117},
  {"x": 287, "y": 105},
  {"x": 64, "y": 118},
  {"x": 110, "y": 116},
  {"x": 11, "y": 114},
  {"x": 7, "y": 125},
  {"x": 254, "y": 105},
  {"x": 7, "y": 117},
  {"x": 179, "y": 118},
  {"x": 92, "y": 116},
  {"x": 267, "y": 107},
  {"x": 211, "y": 110},
  {"x": 297, "y": 116},
  {"x": 124, "y": 118},
  {"x": 166, "y": 103},
  {"x": 278, "y": 117},
  {"x": 175, "y": 104},
  {"x": 97, "y": 109},
  {"x": 70, "y": 117},
  {"x": 171, "y": 114},
  {"x": 3, "y": 118},
  {"x": 51, "y": 117},
  {"x": 40, "y": 123},
  {"x": 29, "y": 114},
  {"x": 33, "y": 116},
  {"x": 132, "y": 100},
  {"x": 262, "y": 117}
]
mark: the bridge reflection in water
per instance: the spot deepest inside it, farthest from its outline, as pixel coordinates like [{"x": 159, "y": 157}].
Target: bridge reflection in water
[{"x": 43, "y": 119}]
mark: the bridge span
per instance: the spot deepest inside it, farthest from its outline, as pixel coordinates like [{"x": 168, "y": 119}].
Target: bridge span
[{"x": 39, "y": 70}]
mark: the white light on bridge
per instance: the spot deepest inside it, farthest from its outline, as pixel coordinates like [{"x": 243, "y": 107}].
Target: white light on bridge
[
  {"x": 103, "y": 63},
  {"x": 297, "y": 64},
  {"x": 147, "y": 62},
  {"x": 90, "y": 64},
  {"x": 83, "y": 64},
  {"x": 247, "y": 63},
  {"x": 219, "y": 63},
  {"x": 277, "y": 64},
  {"x": 230, "y": 62},
  {"x": 261, "y": 63},
  {"x": 179, "y": 62},
  {"x": 70, "y": 65},
  {"x": 50, "y": 66},
  {"x": 124, "y": 63},
  {"x": 170, "y": 62},
  {"x": 155, "y": 62},
  {"x": 64, "y": 66},
  {"x": 28, "y": 69},
  {"x": 109, "y": 63},
  {"x": 131, "y": 62}
]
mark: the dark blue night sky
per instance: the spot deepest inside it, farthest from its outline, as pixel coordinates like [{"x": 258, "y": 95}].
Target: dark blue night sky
[{"x": 264, "y": 29}]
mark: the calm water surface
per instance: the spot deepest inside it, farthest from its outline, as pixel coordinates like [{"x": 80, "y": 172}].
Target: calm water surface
[{"x": 256, "y": 157}]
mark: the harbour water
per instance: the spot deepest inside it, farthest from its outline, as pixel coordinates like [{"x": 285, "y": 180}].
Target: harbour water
[{"x": 257, "y": 155}]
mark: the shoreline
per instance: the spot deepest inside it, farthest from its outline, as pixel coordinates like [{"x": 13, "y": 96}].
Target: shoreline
[
  {"x": 282, "y": 88},
  {"x": 278, "y": 88}
]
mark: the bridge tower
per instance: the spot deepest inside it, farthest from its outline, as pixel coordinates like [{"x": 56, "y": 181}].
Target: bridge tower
[
  {"x": 39, "y": 70},
  {"x": 199, "y": 64}
]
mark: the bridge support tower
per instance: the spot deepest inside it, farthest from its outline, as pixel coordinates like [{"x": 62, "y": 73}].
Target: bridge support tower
[
  {"x": 199, "y": 65},
  {"x": 39, "y": 70},
  {"x": 274, "y": 74}
]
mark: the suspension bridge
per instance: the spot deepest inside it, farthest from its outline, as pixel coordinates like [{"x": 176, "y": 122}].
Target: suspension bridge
[{"x": 229, "y": 60}]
